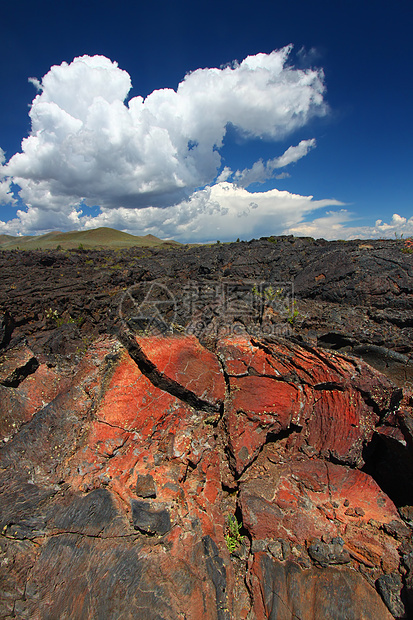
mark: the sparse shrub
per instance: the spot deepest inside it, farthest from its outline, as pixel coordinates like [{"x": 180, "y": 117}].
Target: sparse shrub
[
  {"x": 269, "y": 294},
  {"x": 51, "y": 315},
  {"x": 293, "y": 314},
  {"x": 233, "y": 538},
  {"x": 408, "y": 246}
]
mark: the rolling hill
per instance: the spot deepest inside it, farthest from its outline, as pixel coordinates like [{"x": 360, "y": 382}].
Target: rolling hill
[{"x": 88, "y": 239}]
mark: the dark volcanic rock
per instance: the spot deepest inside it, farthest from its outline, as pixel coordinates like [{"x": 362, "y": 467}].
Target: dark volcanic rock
[
  {"x": 145, "y": 486},
  {"x": 217, "y": 573},
  {"x": 350, "y": 294},
  {"x": 6, "y": 329},
  {"x": 286, "y": 591},
  {"x": 150, "y": 519},
  {"x": 89, "y": 514},
  {"x": 329, "y": 553},
  {"x": 125, "y": 457},
  {"x": 390, "y": 587}
]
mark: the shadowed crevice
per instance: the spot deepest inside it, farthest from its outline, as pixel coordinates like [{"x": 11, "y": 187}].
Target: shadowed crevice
[
  {"x": 158, "y": 379},
  {"x": 20, "y": 374}
]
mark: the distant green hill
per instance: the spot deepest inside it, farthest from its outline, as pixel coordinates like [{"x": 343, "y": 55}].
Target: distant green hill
[
  {"x": 8, "y": 239},
  {"x": 96, "y": 238}
]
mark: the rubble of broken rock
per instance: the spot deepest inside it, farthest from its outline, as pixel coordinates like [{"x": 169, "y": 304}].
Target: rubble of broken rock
[{"x": 128, "y": 454}]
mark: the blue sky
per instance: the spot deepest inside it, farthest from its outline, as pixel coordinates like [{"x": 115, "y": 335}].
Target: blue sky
[{"x": 316, "y": 139}]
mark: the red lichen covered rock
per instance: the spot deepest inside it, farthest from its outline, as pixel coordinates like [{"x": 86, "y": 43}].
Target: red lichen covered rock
[
  {"x": 274, "y": 388},
  {"x": 26, "y": 386},
  {"x": 307, "y": 500},
  {"x": 117, "y": 489},
  {"x": 184, "y": 361}
]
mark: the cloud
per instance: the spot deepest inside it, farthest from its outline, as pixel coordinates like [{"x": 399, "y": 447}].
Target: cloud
[
  {"x": 154, "y": 166},
  {"x": 6, "y": 192},
  {"x": 88, "y": 145},
  {"x": 335, "y": 225},
  {"x": 225, "y": 174},
  {"x": 262, "y": 171},
  {"x": 221, "y": 211},
  {"x": 294, "y": 153}
]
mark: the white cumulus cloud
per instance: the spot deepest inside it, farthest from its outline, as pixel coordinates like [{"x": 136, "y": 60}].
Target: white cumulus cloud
[
  {"x": 222, "y": 211},
  {"x": 335, "y": 225},
  {"x": 89, "y": 144},
  {"x": 6, "y": 193}
]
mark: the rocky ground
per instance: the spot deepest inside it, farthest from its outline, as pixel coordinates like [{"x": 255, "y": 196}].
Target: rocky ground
[{"x": 217, "y": 432}]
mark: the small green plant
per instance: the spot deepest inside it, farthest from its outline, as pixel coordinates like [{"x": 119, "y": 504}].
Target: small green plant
[
  {"x": 408, "y": 246},
  {"x": 271, "y": 294},
  {"x": 276, "y": 298},
  {"x": 233, "y": 538},
  {"x": 292, "y": 314},
  {"x": 70, "y": 321},
  {"x": 51, "y": 315},
  {"x": 86, "y": 341}
]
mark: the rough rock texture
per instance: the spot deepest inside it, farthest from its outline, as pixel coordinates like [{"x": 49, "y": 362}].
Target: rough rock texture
[
  {"x": 116, "y": 491},
  {"x": 352, "y": 296},
  {"x": 287, "y": 592},
  {"x": 126, "y": 458}
]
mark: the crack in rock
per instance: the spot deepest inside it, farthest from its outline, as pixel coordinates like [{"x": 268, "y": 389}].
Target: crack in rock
[{"x": 160, "y": 380}]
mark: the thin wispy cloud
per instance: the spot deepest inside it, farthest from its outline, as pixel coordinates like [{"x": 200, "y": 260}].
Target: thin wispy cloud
[{"x": 262, "y": 171}]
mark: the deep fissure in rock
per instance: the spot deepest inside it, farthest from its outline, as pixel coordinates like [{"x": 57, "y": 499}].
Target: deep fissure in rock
[
  {"x": 20, "y": 374},
  {"x": 158, "y": 379},
  {"x": 390, "y": 463}
]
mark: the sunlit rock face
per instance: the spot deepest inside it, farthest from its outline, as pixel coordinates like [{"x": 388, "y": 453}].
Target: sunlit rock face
[{"x": 119, "y": 475}]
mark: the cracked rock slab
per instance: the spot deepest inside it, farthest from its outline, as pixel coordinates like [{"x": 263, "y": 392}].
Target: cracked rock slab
[{"x": 285, "y": 591}]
